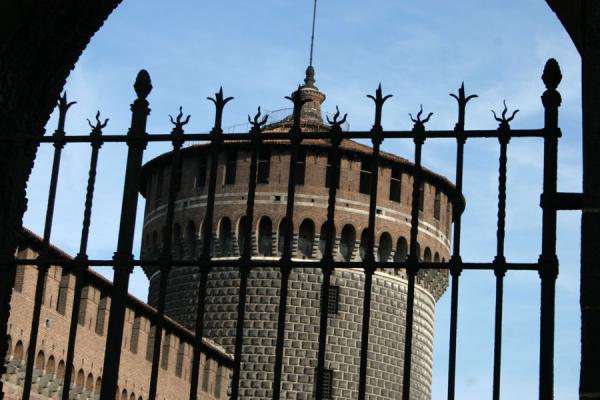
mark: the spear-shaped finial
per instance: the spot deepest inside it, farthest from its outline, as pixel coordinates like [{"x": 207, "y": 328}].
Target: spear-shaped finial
[
  {"x": 462, "y": 101},
  {"x": 379, "y": 100},
  {"x": 219, "y": 101},
  {"x": 63, "y": 106}
]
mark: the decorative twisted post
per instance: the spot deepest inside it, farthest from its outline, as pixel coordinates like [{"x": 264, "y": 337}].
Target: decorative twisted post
[
  {"x": 81, "y": 268},
  {"x": 369, "y": 269},
  {"x": 123, "y": 257},
  {"x": 456, "y": 260}
]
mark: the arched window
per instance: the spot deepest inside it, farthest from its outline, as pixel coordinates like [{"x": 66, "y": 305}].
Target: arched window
[
  {"x": 427, "y": 255},
  {"x": 60, "y": 370},
  {"x": 9, "y": 348},
  {"x": 80, "y": 378},
  {"x": 177, "y": 243},
  {"x": 419, "y": 257},
  {"x": 281, "y": 236},
  {"x": 124, "y": 394},
  {"x": 323, "y": 238},
  {"x": 50, "y": 366},
  {"x": 225, "y": 237},
  {"x": 265, "y": 236},
  {"x": 306, "y": 238},
  {"x": 40, "y": 361},
  {"x": 401, "y": 249},
  {"x": 385, "y": 247},
  {"x": 364, "y": 238},
  {"x": 89, "y": 383},
  {"x": 98, "y": 386},
  {"x": 241, "y": 236},
  {"x": 347, "y": 242},
  {"x": 18, "y": 353},
  {"x": 436, "y": 257},
  {"x": 132, "y": 396},
  {"x": 191, "y": 239}
]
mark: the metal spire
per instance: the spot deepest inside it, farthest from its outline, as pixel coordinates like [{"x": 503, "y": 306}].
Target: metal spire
[{"x": 312, "y": 37}]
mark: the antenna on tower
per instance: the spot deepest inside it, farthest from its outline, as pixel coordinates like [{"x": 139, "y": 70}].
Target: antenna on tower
[{"x": 312, "y": 37}]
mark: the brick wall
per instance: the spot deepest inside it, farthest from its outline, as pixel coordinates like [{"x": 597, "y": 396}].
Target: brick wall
[{"x": 51, "y": 348}]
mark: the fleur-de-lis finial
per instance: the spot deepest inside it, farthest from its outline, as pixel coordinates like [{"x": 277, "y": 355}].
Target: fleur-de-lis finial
[
  {"x": 99, "y": 125},
  {"x": 178, "y": 121},
  {"x": 96, "y": 133},
  {"x": 219, "y": 101},
  {"x": 418, "y": 121},
  {"x": 379, "y": 100},
  {"x": 337, "y": 123},
  {"x": 63, "y": 104},
  {"x": 503, "y": 120},
  {"x": 257, "y": 123},
  {"x": 462, "y": 101}
]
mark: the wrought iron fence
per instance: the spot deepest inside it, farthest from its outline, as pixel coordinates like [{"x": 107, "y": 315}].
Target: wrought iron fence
[{"x": 123, "y": 260}]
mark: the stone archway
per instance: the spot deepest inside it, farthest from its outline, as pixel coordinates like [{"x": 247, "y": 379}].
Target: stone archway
[{"x": 40, "y": 43}]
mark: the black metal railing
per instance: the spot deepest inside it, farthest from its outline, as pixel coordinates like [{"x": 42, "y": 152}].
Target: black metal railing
[{"x": 123, "y": 260}]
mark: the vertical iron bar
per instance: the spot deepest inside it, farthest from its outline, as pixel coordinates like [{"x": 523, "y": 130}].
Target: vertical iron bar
[
  {"x": 413, "y": 258},
  {"x": 123, "y": 257},
  {"x": 456, "y": 260},
  {"x": 177, "y": 136},
  {"x": 288, "y": 236},
  {"x": 548, "y": 261},
  {"x": 369, "y": 270},
  {"x": 59, "y": 143},
  {"x": 198, "y": 334},
  {"x": 327, "y": 259},
  {"x": 499, "y": 260},
  {"x": 206, "y": 232},
  {"x": 80, "y": 270},
  {"x": 246, "y": 256}
]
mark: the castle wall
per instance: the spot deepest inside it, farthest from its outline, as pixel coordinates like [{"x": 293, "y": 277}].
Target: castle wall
[{"x": 51, "y": 348}]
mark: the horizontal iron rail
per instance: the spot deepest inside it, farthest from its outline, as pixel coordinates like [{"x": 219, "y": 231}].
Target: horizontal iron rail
[
  {"x": 195, "y": 137},
  {"x": 258, "y": 263}
]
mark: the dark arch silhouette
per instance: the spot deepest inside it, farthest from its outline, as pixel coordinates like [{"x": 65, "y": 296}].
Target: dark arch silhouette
[
  {"x": 225, "y": 237},
  {"x": 60, "y": 370},
  {"x": 347, "y": 242},
  {"x": 306, "y": 238},
  {"x": 241, "y": 236},
  {"x": 364, "y": 237},
  {"x": 384, "y": 251},
  {"x": 50, "y": 366},
  {"x": 265, "y": 237},
  {"x": 323, "y": 237},
  {"x": 427, "y": 255},
  {"x": 401, "y": 249},
  {"x": 89, "y": 383},
  {"x": 40, "y": 361},
  {"x": 281, "y": 236},
  {"x": 80, "y": 378}
]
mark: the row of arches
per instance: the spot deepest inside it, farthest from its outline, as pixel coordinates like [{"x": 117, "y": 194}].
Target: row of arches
[
  {"x": 229, "y": 240},
  {"x": 50, "y": 368}
]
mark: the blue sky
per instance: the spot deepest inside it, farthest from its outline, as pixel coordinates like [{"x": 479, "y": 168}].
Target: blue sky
[{"x": 420, "y": 52}]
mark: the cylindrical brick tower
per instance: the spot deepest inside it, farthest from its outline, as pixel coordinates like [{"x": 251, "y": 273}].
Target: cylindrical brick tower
[{"x": 388, "y": 306}]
